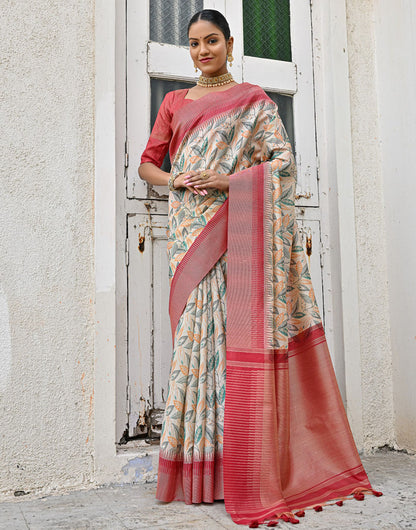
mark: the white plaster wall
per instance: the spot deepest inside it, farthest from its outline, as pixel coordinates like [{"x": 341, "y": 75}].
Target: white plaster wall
[
  {"x": 395, "y": 24},
  {"x": 373, "y": 279},
  {"x": 46, "y": 240}
]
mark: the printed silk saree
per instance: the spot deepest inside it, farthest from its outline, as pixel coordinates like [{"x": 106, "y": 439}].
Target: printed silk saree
[{"x": 254, "y": 415}]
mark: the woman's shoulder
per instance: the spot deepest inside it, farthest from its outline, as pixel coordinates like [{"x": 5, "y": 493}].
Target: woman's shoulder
[
  {"x": 175, "y": 95},
  {"x": 174, "y": 99}
]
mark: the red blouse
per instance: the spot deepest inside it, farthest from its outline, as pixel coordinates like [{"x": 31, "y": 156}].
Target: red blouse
[{"x": 160, "y": 137}]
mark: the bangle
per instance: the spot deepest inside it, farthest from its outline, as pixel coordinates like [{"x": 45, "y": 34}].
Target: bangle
[{"x": 171, "y": 181}]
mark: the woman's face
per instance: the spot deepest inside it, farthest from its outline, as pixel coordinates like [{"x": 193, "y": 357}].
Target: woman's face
[{"x": 209, "y": 48}]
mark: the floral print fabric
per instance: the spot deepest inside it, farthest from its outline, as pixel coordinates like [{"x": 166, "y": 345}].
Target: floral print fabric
[{"x": 247, "y": 134}]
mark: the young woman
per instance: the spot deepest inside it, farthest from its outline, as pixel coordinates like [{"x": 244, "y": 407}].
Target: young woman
[{"x": 253, "y": 414}]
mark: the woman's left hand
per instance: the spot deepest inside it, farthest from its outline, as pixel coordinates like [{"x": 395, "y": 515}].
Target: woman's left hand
[{"x": 208, "y": 178}]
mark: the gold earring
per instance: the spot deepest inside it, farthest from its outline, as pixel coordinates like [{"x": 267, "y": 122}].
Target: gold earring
[
  {"x": 196, "y": 69},
  {"x": 230, "y": 59}
]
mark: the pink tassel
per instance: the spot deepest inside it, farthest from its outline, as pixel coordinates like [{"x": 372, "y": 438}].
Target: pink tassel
[
  {"x": 359, "y": 496},
  {"x": 300, "y": 513},
  {"x": 377, "y": 493},
  {"x": 317, "y": 508},
  {"x": 340, "y": 503},
  {"x": 273, "y": 523},
  {"x": 284, "y": 517},
  {"x": 254, "y": 524}
]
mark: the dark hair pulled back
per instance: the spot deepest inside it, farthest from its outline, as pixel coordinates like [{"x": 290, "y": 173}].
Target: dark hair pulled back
[{"x": 213, "y": 16}]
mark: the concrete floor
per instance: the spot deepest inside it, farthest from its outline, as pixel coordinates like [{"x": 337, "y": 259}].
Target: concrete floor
[{"x": 120, "y": 507}]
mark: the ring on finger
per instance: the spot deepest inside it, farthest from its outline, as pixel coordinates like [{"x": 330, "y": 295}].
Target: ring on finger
[{"x": 204, "y": 175}]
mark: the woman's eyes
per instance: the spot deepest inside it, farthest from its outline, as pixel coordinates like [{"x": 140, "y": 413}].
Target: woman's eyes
[{"x": 211, "y": 41}]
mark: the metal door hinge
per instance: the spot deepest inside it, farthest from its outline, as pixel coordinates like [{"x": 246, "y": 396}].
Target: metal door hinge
[
  {"x": 126, "y": 154},
  {"x": 126, "y": 251}
]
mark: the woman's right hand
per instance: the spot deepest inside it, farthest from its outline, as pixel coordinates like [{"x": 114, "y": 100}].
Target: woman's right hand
[{"x": 179, "y": 182}]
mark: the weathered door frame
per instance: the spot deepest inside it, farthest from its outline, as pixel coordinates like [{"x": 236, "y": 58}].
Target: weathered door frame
[
  {"x": 149, "y": 341},
  {"x": 334, "y": 150}
]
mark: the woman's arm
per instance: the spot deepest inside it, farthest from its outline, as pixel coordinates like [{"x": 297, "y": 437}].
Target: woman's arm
[{"x": 153, "y": 175}]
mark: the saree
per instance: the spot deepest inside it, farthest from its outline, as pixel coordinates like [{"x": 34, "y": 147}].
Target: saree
[{"x": 253, "y": 415}]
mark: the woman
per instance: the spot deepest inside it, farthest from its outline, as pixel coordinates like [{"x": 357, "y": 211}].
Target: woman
[{"x": 243, "y": 312}]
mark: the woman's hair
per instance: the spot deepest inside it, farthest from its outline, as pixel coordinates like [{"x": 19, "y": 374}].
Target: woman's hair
[{"x": 213, "y": 16}]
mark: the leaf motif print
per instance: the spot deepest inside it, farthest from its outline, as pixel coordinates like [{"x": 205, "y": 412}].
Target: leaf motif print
[
  {"x": 209, "y": 436},
  {"x": 189, "y": 415},
  {"x": 226, "y": 167},
  {"x": 230, "y": 135},
  {"x": 182, "y": 341},
  {"x": 205, "y": 376},
  {"x": 197, "y": 385},
  {"x": 298, "y": 315},
  {"x": 221, "y": 397},
  {"x": 222, "y": 145},
  {"x": 211, "y": 364},
  {"x": 198, "y": 434},
  {"x": 173, "y": 441}
]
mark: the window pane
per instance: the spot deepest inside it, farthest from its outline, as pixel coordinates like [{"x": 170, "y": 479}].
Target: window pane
[
  {"x": 285, "y": 106},
  {"x": 169, "y": 20},
  {"x": 159, "y": 88},
  {"x": 267, "y": 29}
]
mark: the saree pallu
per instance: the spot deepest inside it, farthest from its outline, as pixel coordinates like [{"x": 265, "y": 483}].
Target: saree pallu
[{"x": 275, "y": 438}]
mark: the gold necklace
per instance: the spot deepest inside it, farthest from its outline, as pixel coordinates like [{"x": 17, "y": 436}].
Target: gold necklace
[{"x": 220, "y": 80}]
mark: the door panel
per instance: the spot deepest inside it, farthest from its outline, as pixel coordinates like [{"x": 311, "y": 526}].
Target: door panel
[
  {"x": 149, "y": 336},
  {"x": 158, "y": 61}
]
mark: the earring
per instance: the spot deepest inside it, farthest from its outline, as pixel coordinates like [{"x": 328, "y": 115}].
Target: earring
[
  {"x": 196, "y": 69},
  {"x": 230, "y": 59}
]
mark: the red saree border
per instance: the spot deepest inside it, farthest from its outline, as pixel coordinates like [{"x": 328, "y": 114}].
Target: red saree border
[
  {"x": 200, "y": 111},
  {"x": 201, "y": 256},
  {"x": 192, "y": 482},
  {"x": 287, "y": 441}
]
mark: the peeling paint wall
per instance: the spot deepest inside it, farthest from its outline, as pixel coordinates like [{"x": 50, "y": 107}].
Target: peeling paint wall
[
  {"x": 373, "y": 277},
  {"x": 46, "y": 258}
]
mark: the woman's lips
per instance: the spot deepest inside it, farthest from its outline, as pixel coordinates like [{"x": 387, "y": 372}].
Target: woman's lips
[{"x": 207, "y": 59}]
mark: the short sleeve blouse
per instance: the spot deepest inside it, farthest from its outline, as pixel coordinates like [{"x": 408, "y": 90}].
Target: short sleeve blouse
[{"x": 160, "y": 137}]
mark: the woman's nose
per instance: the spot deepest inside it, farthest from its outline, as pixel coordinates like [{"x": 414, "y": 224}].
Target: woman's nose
[{"x": 203, "y": 50}]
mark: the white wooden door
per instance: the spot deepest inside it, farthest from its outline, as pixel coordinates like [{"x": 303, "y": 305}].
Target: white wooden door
[{"x": 158, "y": 61}]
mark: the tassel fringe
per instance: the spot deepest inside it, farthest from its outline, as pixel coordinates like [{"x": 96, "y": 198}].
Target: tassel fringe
[{"x": 289, "y": 517}]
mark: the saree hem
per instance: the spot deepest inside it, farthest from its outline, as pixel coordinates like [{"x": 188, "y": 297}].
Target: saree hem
[
  {"x": 291, "y": 515},
  {"x": 191, "y": 482}
]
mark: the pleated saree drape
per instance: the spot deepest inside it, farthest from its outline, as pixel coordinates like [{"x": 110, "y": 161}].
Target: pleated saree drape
[{"x": 254, "y": 415}]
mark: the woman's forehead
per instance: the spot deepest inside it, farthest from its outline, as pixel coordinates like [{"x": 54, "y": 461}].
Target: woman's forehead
[{"x": 202, "y": 28}]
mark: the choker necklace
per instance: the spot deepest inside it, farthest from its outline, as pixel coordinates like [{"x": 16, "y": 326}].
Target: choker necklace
[{"x": 220, "y": 80}]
